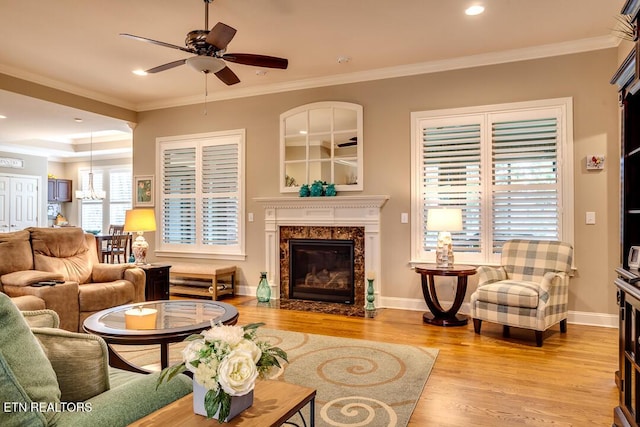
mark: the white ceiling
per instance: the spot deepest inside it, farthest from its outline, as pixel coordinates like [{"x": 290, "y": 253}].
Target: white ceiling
[{"x": 75, "y": 46}]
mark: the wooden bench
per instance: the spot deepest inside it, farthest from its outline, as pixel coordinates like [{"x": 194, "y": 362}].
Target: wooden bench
[{"x": 202, "y": 280}]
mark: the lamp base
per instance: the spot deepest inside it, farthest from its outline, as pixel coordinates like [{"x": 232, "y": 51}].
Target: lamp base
[
  {"x": 444, "y": 250},
  {"x": 139, "y": 249}
]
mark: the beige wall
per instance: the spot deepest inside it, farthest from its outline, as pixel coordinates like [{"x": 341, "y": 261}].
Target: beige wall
[{"x": 387, "y": 107}]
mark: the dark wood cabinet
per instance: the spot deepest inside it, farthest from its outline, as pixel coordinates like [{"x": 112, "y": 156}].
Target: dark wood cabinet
[
  {"x": 59, "y": 190},
  {"x": 627, "y": 78},
  {"x": 157, "y": 282}
]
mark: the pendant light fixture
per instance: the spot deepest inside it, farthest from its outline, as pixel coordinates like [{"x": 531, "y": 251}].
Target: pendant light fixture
[{"x": 91, "y": 193}]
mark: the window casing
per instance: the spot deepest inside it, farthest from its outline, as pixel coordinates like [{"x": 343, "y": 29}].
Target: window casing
[
  {"x": 201, "y": 201},
  {"x": 96, "y": 215},
  {"x": 508, "y": 167}
]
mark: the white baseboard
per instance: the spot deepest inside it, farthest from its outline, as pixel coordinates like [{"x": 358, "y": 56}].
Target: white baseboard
[{"x": 575, "y": 317}]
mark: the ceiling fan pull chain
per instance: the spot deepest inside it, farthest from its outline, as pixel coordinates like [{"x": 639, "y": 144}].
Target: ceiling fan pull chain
[{"x": 206, "y": 93}]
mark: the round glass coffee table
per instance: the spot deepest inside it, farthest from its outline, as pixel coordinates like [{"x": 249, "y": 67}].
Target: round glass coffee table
[{"x": 156, "y": 322}]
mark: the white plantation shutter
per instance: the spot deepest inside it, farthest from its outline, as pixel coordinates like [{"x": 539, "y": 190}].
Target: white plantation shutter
[
  {"x": 201, "y": 194},
  {"x": 451, "y": 178},
  {"x": 525, "y": 180},
  {"x": 119, "y": 194},
  {"x": 502, "y": 166},
  {"x": 220, "y": 194}
]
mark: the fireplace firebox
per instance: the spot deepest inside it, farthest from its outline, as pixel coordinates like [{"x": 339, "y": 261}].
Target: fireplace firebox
[{"x": 322, "y": 270}]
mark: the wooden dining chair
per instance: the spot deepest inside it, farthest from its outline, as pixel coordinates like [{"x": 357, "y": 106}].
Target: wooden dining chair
[
  {"x": 107, "y": 252},
  {"x": 119, "y": 248}
]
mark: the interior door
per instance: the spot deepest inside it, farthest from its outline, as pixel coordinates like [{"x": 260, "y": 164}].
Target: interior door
[{"x": 24, "y": 203}]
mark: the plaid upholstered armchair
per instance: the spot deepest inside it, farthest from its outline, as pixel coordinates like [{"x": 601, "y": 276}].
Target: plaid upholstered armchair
[{"x": 529, "y": 290}]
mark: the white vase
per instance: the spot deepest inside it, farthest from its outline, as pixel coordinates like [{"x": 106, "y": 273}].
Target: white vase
[{"x": 238, "y": 403}]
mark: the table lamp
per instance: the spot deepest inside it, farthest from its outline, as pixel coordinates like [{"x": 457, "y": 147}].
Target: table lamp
[
  {"x": 444, "y": 220},
  {"x": 139, "y": 221}
]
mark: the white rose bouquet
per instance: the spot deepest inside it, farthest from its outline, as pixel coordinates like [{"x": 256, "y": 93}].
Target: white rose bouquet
[{"x": 226, "y": 360}]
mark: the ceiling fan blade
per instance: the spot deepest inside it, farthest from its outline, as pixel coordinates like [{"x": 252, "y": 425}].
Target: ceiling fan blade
[
  {"x": 227, "y": 76},
  {"x": 256, "y": 60},
  {"x": 167, "y": 66},
  {"x": 220, "y": 35},
  {"x": 159, "y": 43}
]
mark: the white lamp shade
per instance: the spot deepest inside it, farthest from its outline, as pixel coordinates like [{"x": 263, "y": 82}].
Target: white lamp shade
[
  {"x": 136, "y": 220},
  {"x": 444, "y": 219}
]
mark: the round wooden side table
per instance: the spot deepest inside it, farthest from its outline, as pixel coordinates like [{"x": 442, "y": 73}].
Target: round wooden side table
[{"x": 438, "y": 315}]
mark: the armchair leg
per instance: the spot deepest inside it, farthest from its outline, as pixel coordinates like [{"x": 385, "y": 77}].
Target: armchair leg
[
  {"x": 539, "y": 338},
  {"x": 477, "y": 323},
  {"x": 563, "y": 326},
  {"x": 506, "y": 332}
]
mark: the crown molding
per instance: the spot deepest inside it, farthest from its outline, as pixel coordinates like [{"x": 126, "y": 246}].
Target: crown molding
[{"x": 515, "y": 55}]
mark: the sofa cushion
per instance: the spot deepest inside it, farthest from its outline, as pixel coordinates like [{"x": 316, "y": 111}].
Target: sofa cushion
[
  {"x": 41, "y": 318},
  {"x": 24, "y": 355},
  {"x": 62, "y": 250},
  {"x": 18, "y": 414},
  {"x": 510, "y": 293},
  {"x": 15, "y": 252},
  {"x": 73, "y": 356}
]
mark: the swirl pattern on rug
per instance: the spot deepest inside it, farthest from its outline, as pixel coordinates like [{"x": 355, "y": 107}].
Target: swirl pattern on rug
[{"x": 358, "y": 382}]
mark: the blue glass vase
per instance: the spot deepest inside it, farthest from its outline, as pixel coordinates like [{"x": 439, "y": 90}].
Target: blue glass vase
[{"x": 263, "y": 293}]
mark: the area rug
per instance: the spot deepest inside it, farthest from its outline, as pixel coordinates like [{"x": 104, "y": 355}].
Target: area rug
[{"x": 358, "y": 382}]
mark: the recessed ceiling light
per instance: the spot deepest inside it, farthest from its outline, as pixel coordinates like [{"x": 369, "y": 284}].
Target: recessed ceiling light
[
  {"x": 2, "y": 117},
  {"x": 343, "y": 59},
  {"x": 474, "y": 10},
  {"x": 261, "y": 73},
  {"x": 139, "y": 72},
  {"x": 78, "y": 120}
]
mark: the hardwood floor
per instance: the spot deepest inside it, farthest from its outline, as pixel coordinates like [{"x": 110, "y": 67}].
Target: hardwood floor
[{"x": 483, "y": 380}]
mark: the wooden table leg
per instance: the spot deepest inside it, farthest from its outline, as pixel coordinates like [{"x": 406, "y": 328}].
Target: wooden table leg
[{"x": 438, "y": 315}]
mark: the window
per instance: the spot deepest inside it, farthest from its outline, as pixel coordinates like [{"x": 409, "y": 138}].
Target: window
[
  {"x": 96, "y": 215},
  {"x": 201, "y": 195},
  {"x": 503, "y": 165}
]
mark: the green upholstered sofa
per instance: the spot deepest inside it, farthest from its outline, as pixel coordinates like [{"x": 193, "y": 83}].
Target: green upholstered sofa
[
  {"x": 53, "y": 377},
  {"x": 44, "y": 253}
]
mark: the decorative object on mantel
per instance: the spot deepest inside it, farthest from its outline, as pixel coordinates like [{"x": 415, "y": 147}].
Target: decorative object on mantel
[
  {"x": 317, "y": 189},
  {"x": 263, "y": 292},
  {"x": 225, "y": 361},
  {"x": 330, "y": 191},
  {"x": 595, "y": 162},
  {"x": 370, "y": 309},
  {"x": 304, "y": 190}
]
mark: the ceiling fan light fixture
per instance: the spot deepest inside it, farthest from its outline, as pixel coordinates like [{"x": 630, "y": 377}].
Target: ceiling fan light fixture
[{"x": 205, "y": 64}]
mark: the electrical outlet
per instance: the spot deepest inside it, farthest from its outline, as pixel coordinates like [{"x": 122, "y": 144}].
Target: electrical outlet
[
  {"x": 404, "y": 217},
  {"x": 250, "y": 215}
]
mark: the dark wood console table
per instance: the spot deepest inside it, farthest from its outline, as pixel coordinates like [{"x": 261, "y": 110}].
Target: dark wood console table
[{"x": 438, "y": 315}]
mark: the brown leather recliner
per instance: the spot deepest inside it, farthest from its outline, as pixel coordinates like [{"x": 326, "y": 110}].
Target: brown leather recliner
[{"x": 67, "y": 254}]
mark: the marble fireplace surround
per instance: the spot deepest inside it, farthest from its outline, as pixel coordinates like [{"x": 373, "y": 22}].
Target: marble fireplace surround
[{"x": 323, "y": 215}]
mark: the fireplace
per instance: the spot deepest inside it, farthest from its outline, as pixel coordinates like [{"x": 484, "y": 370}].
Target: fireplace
[
  {"x": 321, "y": 270},
  {"x": 354, "y": 218}
]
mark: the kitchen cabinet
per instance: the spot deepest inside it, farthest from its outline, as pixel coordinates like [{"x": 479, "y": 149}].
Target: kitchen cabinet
[{"x": 59, "y": 190}]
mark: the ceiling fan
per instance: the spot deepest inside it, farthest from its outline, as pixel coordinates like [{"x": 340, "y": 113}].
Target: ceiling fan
[{"x": 210, "y": 48}]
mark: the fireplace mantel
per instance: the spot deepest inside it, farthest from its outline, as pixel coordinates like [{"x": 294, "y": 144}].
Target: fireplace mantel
[{"x": 360, "y": 211}]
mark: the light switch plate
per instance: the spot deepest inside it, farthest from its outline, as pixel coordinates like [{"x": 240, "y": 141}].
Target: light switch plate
[
  {"x": 404, "y": 217},
  {"x": 590, "y": 218}
]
